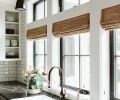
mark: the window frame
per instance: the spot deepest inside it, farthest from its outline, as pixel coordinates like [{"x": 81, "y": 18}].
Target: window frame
[
  {"x": 62, "y": 64},
  {"x": 113, "y": 57}
]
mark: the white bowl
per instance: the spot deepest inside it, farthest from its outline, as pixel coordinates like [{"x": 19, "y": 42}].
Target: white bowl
[
  {"x": 10, "y": 18},
  {"x": 14, "y": 43},
  {"x": 11, "y": 53},
  {"x": 7, "y": 43}
]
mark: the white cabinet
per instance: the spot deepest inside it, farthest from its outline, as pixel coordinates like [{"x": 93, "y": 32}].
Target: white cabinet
[{"x": 10, "y": 35}]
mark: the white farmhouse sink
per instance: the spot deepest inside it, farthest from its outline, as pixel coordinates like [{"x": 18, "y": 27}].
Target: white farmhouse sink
[{"x": 41, "y": 97}]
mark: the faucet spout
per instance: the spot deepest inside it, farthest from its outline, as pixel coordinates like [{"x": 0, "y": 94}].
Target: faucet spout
[{"x": 62, "y": 94}]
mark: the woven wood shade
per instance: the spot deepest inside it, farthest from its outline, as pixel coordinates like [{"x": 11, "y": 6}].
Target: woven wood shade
[
  {"x": 111, "y": 18},
  {"x": 40, "y": 32},
  {"x": 79, "y": 24}
]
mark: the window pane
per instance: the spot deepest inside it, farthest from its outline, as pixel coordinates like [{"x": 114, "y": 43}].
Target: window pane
[
  {"x": 29, "y": 53},
  {"x": 46, "y": 8},
  {"x": 40, "y": 11},
  {"x": 84, "y": 1},
  {"x": 71, "y": 45},
  {"x": 45, "y": 46},
  {"x": 70, "y": 4},
  {"x": 39, "y": 61},
  {"x": 71, "y": 71},
  {"x": 39, "y": 46},
  {"x": 117, "y": 42},
  {"x": 117, "y": 77},
  {"x": 85, "y": 44},
  {"x": 55, "y": 6},
  {"x": 85, "y": 72}
]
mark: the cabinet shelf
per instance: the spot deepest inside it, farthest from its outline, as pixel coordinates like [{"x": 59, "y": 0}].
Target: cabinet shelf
[
  {"x": 12, "y": 47},
  {"x": 11, "y": 34},
  {"x": 12, "y": 59},
  {"x": 16, "y": 23}
]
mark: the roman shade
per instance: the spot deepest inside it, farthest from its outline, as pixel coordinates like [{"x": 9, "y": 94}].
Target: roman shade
[
  {"x": 111, "y": 18},
  {"x": 79, "y": 24},
  {"x": 40, "y": 32}
]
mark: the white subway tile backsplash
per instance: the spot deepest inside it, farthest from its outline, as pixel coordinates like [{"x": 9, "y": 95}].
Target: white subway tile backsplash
[
  {"x": 6, "y": 73},
  {"x": 1, "y": 63},
  {"x": 7, "y": 70}
]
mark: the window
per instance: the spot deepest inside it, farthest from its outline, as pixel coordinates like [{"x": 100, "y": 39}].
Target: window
[
  {"x": 40, "y": 46},
  {"x": 72, "y": 3},
  {"x": 40, "y": 54},
  {"x": 75, "y": 60},
  {"x": 115, "y": 63},
  {"x": 40, "y": 9}
]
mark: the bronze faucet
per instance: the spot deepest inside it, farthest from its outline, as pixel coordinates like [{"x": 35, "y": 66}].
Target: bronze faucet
[{"x": 62, "y": 92}]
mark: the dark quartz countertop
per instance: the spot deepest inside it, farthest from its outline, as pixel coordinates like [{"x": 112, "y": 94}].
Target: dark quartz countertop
[{"x": 15, "y": 89}]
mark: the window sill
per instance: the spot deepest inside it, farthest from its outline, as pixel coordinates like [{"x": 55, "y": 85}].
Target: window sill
[{"x": 70, "y": 94}]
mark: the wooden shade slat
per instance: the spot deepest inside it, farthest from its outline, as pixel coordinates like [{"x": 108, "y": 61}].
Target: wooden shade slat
[
  {"x": 111, "y": 18},
  {"x": 79, "y": 24},
  {"x": 40, "y": 32}
]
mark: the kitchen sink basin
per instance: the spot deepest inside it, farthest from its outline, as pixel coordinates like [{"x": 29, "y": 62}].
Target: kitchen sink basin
[{"x": 40, "y": 97}]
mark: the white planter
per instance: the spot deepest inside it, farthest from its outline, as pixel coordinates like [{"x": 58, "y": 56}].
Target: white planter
[{"x": 35, "y": 91}]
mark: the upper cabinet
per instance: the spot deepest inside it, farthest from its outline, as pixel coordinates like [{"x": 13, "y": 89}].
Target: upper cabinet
[{"x": 10, "y": 35}]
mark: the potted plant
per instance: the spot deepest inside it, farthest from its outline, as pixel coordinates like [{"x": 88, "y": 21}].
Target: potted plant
[{"x": 34, "y": 80}]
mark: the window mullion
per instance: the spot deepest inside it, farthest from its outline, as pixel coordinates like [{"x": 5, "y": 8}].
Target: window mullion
[
  {"x": 34, "y": 54},
  {"x": 79, "y": 65},
  {"x": 44, "y": 56}
]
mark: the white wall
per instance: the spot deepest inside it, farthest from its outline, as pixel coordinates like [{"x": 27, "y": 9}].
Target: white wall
[
  {"x": 21, "y": 65},
  {"x": 7, "y": 4},
  {"x": 105, "y": 75},
  {"x": 97, "y": 87}
]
